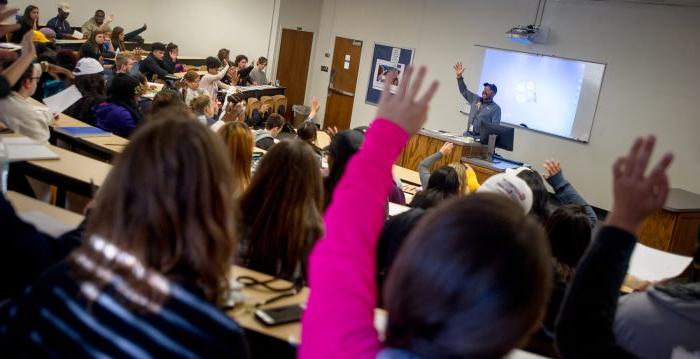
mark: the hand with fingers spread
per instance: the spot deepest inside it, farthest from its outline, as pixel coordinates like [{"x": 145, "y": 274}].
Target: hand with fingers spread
[
  {"x": 459, "y": 69},
  {"x": 446, "y": 148},
  {"x": 637, "y": 194},
  {"x": 405, "y": 108},
  {"x": 551, "y": 168},
  {"x": 332, "y": 131}
]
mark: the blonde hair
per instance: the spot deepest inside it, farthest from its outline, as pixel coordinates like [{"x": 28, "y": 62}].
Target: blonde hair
[
  {"x": 239, "y": 142},
  {"x": 461, "y": 170}
]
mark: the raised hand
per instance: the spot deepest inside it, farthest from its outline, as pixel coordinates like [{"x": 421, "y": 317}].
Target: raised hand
[
  {"x": 446, "y": 148},
  {"x": 405, "y": 108},
  {"x": 459, "y": 69},
  {"x": 332, "y": 131},
  {"x": 637, "y": 195},
  {"x": 28, "y": 47},
  {"x": 551, "y": 168},
  {"x": 315, "y": 104}
]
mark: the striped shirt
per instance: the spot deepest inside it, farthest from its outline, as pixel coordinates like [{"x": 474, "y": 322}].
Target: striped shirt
[{"x": 61, "y": 316}]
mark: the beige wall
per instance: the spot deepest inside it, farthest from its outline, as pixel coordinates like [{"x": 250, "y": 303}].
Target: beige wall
[{"x": 651, "y": 85}]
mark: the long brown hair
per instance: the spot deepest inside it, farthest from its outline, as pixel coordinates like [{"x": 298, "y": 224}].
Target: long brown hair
[
  {"x": 239, "y": 141},
  {"x": 168, "y": 203},
  {"x": 471, "y": 280},
  {"x": 282, "y": 210},
  {"x": 117, "y": 43}
]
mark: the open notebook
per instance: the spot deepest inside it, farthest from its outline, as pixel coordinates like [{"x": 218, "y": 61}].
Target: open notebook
[{"x": 22, "y": 148}]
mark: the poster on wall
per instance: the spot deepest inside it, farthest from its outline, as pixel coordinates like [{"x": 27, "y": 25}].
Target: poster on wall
[{"x": 385, "y": 60}]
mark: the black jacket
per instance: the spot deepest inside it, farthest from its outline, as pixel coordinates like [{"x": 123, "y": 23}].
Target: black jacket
[{"x": 151, "y": 66}]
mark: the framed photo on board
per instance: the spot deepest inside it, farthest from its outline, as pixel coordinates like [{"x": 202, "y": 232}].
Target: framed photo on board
[{"x": 386, "y": 59}]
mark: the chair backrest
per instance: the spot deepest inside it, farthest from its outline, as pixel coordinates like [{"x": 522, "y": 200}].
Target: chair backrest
[
  {"x": 323, "y": 139},
  {"x": 253, "y": 104},
  {"x": 280, "y": 104},
  {"x": 268, "y": 101},
  {"x": 266, "y": 98}
]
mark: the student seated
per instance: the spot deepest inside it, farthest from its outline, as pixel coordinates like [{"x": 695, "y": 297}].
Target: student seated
[
  {"x": 308, "y": 132},
  {"x": 224, "y": 57},
  {"x": 451, "y": 292},
  {"x": 152, "y": 66},
  {"x": 265, "y": 138},
  {"x": 89, "y": 80},
  {"x": 154, "y": 264},
  {"x": 28, "y": 22},
  {"x": 123, "y": 64},
  {"x": 239, "y": 142},
  {"x": 120, "y": 114},
  {"x": 467, "y": 177},
  {"x": 211, "y": 82},
  {"x": 97, "y": 47},
  {"x": 662, "y": 321},
  {"x": 60, "y": 24},
  {"x": 119, "y": 38},
  {"x": 203, "y": 108},
  {"x": 22, "y": 116},
  {"x": 241, "y": 63},
  {"x": 190, "y": 86},
  {"x": 257, "y": 75},
  {"x": 282, "y": 212},
  {"x": 97, "y": 23},
  {"x": 170, "y": 60}
]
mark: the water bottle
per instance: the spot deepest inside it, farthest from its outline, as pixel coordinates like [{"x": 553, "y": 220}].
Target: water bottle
[{"x": 4, "y": 166}]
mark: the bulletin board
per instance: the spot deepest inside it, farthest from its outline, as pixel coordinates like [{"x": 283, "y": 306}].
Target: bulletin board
[{"x": 386, "y": 59}]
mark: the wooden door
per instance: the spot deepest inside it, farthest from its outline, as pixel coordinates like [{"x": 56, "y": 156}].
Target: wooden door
[
  {"x": 293, "y": 66},
  {"x": 341, "y": 89}
]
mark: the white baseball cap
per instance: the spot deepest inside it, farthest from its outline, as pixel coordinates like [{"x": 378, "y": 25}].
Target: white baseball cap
[
  {"x": 87, "y": 66},
  {"x": 64, "y": 6},
  {"x": 511, "y": 186}
]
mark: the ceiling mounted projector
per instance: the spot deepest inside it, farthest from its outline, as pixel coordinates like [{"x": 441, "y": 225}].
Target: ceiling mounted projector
[{"x": 529, "y": 34}]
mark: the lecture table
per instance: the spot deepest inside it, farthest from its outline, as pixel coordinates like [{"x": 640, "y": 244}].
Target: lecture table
[
  {"x": 287, "y": 333},
  {"x": 70, "y": 44}
]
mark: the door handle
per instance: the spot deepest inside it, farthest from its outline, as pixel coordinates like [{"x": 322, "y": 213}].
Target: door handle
[{"x": 340, "y": 92}]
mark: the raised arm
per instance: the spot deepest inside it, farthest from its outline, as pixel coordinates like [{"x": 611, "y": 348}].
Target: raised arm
[
  {"x": 339, "y": 319},
  {"x": 426, "y": 164},
  {"x": 585, "y": 326},
  {"x": 564, "y": 191},
  {"x": 17, "y": 68},
  {"x": 468, "y": 95}
]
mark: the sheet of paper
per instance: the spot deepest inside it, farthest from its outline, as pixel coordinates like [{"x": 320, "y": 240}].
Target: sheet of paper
[
  {"x": 77, "y": 34},
  {"x": 396, "y": 209},
  {"x": 654, "y": 265},
  {"x": 62, "y": 100},
  {"x": 45, "y": 223}
]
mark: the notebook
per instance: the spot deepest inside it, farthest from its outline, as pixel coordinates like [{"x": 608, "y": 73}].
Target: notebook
[
  {"x": 25, "y": 149},
  {"x": 87, "y": 131}
]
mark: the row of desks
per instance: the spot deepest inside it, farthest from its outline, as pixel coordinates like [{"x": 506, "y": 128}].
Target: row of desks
[{"x": 243, "y": 315}]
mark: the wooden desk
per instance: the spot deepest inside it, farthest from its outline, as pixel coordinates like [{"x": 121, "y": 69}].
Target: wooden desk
[
  {"x": 675, "y": 227},
  {"x": 290, "y": 333},
  {"x": 407, "y": 175},
  {"x": 71, "y": 172},
  {"x": 102, "y": 148},
  {"x": 24, "y": 204},
  {"x": 427, "y": 142}
]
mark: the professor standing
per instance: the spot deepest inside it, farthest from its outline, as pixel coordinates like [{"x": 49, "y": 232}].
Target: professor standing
[{"x": 483, "y": 109}]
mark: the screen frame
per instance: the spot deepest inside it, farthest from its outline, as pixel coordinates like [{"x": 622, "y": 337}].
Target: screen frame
[{"x": 475, "y": 75}]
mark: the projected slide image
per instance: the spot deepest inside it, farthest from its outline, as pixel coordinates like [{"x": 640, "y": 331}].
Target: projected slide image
[{"x": 541, "y": 92}]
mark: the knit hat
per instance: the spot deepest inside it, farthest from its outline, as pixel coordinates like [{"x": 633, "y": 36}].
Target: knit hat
[
  {"x": 48, "y": 32},
  {"x": 87, "y": 66},
  {"x": 510, "y": 185}
]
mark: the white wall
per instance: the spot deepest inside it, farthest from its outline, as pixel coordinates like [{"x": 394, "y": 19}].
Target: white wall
[
  {"x": 651, "y": 84},
  {"x": 200, "y": 27}
]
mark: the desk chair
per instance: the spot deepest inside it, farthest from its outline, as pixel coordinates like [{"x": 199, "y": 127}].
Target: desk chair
[
  {"x": 281, "y": 103},
  {"x": 253, "y": 104}
]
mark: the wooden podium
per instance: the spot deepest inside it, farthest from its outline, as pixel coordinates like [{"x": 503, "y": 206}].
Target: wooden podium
[
  {"x": 427, "y": 142},
  {"x": 675, "y": 227}
]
